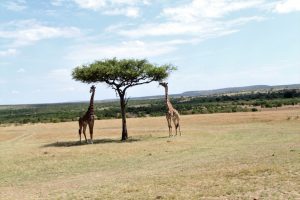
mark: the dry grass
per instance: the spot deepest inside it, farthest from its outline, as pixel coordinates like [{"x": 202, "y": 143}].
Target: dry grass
[{"x": 219, "y": 156}]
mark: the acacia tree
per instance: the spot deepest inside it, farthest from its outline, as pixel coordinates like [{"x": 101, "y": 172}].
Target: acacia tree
[{"x": 121, "y": 75}]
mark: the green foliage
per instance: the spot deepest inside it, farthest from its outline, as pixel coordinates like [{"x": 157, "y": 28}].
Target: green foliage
[
  {"x": 122, "y": 73},
  {"x": 254, "y": 110}
]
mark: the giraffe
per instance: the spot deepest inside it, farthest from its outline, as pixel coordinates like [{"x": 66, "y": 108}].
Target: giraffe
[
  {"x": 88, "y": 118},
  {"x": 171, "y": 113}
]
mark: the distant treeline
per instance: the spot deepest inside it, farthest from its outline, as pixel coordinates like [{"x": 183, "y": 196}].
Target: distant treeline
[{"x": 22, "y": 114}]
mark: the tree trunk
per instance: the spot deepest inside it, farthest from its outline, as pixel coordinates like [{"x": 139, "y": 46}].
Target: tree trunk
[{"x": 123, "y": 113}]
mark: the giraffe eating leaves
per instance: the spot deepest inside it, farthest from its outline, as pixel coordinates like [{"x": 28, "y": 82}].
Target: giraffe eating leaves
[
  {"x": 171, "y": 113},
  {"x": 88, "y": 118}
]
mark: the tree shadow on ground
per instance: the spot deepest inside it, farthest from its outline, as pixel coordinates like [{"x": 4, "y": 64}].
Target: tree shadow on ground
[{"x": 96, "y": 141}]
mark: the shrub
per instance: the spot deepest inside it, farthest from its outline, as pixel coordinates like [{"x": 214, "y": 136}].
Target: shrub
[{"x": 254, "y": 110}]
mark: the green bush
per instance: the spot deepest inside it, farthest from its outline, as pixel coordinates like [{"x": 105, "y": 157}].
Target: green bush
[{"x": 254, "y": 110}]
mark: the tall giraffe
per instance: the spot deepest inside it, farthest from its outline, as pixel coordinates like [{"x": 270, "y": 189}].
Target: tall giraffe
[
  {"x": 88, "y": 118},
  {"x": 171, "y": 113}
]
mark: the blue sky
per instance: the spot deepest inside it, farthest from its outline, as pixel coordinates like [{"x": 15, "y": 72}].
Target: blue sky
[{"x": 214, "y": 43}]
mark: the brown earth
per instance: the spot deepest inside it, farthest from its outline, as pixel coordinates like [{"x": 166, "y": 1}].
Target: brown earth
[{"x": 219, "y": 156}]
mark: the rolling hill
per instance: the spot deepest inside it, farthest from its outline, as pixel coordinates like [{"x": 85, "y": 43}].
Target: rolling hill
[{"x": 229, "y": 90}]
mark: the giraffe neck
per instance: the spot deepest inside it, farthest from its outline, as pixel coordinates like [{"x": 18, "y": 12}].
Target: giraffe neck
[
  {"x": 91, "y": 107},
  {"x": 167, "y": 100}
]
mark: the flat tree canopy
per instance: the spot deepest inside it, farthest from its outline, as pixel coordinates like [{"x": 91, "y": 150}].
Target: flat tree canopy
[{"x": 121, "y": 75}]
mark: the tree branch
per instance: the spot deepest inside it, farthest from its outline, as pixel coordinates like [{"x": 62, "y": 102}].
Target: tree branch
[{"x": 137, "y": 83}]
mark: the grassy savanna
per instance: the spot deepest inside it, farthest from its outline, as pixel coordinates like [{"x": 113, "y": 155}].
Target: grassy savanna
[
  {"x": 64, "y": 112},
  {"x": 220, "y": 156}
]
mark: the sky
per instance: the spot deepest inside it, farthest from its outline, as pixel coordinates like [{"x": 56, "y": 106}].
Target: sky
[{"x": 213, "y": 43}]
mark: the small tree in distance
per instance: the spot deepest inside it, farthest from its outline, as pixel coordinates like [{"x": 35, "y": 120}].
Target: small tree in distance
[{"x": 121, "y": 75}]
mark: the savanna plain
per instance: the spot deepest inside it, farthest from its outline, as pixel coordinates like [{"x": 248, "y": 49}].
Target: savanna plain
[{"x": 253, "y": 155}]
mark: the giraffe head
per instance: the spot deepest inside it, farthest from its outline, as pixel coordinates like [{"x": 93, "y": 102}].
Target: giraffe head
[
  {"x": 164, "y": 84},
  {"x": 93, "y": 88}
]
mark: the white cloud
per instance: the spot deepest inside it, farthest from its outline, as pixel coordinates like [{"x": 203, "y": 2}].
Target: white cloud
[
  {"x": 36, "y": 91},
  {"x": 207, "y": 9},
  {"x": 99, "y": 4},
  {"x": 21, "y": 70},
  {"x": 243, "y": 20},
  {"x": 57, "y": 2},
  {"x": 189, "y": 23},
  {"x": 128, "y": 2},
  {"x": 2, "y": 81},
  {"x": 129, "y": 11},
  {"x": 201, "y": 29},
  {"x": 26, "y": 32},
  {"x": 63, "y": 79},
  {"x": 91, "y": 4},
  {"x": 128, "y": 8},
  {"x": 198, "y": 19},
  {"x": 62, "y": 83},
  {"x": 16, "y": 5},
  {"x": 8, "y": 52},
  {"x": 15, "y": 92},
  {"x": 269, "y": 74},
  {"x": 287, "y": 6},
  {"x": 136, "y": 49},
  {"x": 185, "y": 24},
  {"x": 168, "y": 29},
  {"x": 62, "y": 74}
]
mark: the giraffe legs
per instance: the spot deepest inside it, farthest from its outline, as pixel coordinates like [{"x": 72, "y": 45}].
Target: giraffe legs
[
  {"x": 79, "y": 132},
  {"x": 84, "y": 129},
  {"x": 175, "y": 119},
  {"x": 175, "y": 124},
  {"x": 169, "y": 124},
  {"x": 80, "y": 129},
  {"x": 178, "y": 125},
  {"x": 91, "y": 128}
]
